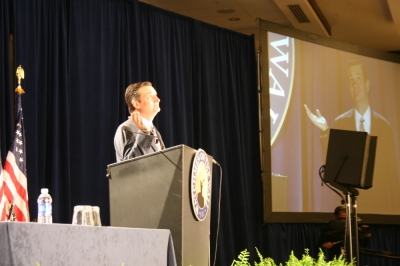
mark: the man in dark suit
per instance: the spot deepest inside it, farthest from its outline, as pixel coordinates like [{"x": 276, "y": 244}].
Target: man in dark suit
[
  {"x": 137, "y": 135},
  {"x": 332, "y": 237},
  {"x": 362, "y": 118}
]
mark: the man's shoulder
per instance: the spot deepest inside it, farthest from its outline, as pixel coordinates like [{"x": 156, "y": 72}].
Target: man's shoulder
[
  {"x": 125, "y": 129},
  {"x": 345, "y": 120},
  {"x": 345, "y": 115},
  {"x": 128, "y": 123},
  {"x": 379, "y": 118}
]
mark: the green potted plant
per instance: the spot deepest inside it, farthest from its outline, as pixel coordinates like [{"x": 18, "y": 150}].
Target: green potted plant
[{"x": 306, "y": 260}]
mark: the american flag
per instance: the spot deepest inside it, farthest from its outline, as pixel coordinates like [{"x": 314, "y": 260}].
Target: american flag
[
  {"x": 14, "y": 188},
  {"x": 2, "y": 199}
]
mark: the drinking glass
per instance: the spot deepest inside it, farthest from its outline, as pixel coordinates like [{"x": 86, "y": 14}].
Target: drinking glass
[
  {"x": 83, "y": 215},
  {"x": 96, "y": 215},
  {"x": 77, "y": 216},
  {"x": 87, "y": 215}
]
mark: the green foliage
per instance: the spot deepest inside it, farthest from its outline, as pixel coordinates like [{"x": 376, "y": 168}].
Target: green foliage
[
  {"x": 306, "y": 260},
  {"x": 243, "y": 259},
  {"x": 264, "y": 261}
]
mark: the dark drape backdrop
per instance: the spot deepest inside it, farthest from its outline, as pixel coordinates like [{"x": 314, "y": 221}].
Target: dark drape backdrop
[
  {"x": 80, "y": 55},
  {"x": 6, "y": 103}
]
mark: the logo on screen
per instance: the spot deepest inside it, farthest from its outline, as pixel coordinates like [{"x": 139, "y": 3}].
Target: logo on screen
[
  {"x": 200, "y": 185},
  {"x": 281, "y": 68}
]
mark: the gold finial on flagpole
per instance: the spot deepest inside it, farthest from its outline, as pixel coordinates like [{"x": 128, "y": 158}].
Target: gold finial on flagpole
[{"x": 20, "y": 75}]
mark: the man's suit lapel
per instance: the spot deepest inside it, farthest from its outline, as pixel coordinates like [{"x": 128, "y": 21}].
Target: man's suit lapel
[{"x": 160, "y": 139}]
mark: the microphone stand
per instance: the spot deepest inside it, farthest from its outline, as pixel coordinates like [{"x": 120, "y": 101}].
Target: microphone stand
[{"x": 352, "y": 246}]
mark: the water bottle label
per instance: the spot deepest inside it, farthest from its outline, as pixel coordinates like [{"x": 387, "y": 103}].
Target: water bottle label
[{"x": 42, "y": 208}]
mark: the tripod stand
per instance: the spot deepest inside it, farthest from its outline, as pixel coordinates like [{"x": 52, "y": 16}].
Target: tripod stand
[
  {"x": 350, "y": 164},
  {"x": 351, "y": 235}
]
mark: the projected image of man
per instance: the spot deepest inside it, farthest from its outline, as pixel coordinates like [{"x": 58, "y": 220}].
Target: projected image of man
[{"x": 363, "y": 118}]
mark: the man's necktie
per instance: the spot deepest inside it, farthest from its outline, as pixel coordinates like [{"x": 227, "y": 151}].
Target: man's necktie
[{"x": 362, "y": 124}]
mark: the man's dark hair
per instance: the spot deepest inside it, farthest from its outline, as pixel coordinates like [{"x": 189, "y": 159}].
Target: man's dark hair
[
  {"x": 338, "y": 210},
  {"x": 354, "y": 62},
  {"x": 132, "y": 93}
]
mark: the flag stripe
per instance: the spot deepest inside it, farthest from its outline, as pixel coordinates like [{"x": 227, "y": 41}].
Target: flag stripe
[
  {"x": 10, "y": 191},
  {"x": 3, "y": 200},
  {"x": 15, "y": 176},
  {"x": 20, "y": 214},
  {"x": 3, "y": 215}
]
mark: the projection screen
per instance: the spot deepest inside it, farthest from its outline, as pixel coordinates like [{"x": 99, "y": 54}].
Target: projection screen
[{"x": 338, "y": 83}]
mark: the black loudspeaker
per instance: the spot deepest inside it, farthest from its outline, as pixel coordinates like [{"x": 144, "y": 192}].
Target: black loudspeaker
[{"x": 350, "y": 159}]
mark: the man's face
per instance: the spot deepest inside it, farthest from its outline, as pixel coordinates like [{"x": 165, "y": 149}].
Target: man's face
[
  {"x": 149, "y": 104},
  {"x": 341, "y": 217},
  {"x": 358, "y": 86}
]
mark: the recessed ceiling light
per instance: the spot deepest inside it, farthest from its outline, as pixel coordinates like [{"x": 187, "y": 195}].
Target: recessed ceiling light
[
  {"x": 226, "y": 11},
  {"x": 233, "y": 19}
]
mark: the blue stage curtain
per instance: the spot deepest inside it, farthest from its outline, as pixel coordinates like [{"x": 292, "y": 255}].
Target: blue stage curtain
[
  {"x": 6, "y": 90},
  {"x": 80, "y": 55},
  {"x": 280, "y": 239}
]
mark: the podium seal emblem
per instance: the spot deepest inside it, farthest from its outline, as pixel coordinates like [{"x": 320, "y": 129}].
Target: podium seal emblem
[{"x": 200, "y": 185}]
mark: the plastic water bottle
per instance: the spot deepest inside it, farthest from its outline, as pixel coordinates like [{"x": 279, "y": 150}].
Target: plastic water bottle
[{"x": 44, "y": 207}]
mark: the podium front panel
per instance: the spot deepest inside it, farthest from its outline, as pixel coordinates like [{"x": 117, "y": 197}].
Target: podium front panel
[{"x": 153, "y": 191}]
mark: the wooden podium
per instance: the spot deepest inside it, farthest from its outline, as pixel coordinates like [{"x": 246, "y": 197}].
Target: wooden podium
[{"x": 153, "y": 191}]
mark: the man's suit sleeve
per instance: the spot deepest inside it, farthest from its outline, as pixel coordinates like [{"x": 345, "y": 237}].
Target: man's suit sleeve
[{"x": 130, "y": 142}]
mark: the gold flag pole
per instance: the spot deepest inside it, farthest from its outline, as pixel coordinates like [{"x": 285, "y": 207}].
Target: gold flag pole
[{"x": 20, "y": 75}]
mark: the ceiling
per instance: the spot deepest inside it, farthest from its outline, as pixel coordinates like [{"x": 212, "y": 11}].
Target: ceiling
[{"x": 372, "y": 24}]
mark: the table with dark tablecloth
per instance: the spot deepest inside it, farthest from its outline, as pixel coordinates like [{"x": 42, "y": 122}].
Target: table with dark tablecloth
[{"x": 64, "y": 244}]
